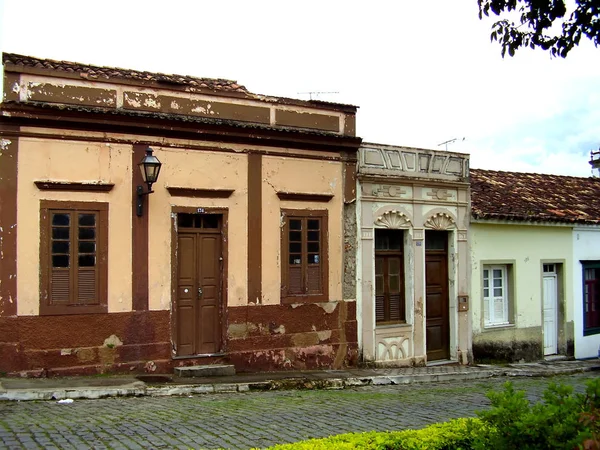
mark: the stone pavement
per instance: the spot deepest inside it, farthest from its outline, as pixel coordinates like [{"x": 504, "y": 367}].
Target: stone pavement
[
  {"x": 250, "y": 419},
  {"x": 166, "y": 385}
]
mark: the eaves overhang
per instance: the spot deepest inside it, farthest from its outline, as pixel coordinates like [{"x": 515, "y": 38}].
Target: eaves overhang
[{"x": 171, "y": 125}]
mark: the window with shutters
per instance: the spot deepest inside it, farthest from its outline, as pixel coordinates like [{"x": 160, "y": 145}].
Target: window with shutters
[
  {"x": 73, "y": 257},
  {"x": 389, "y": 277},
  {"x": 591, "y": 297},
  {"x": 497, "y": 295},
  {"x": 304, "y": 264}
]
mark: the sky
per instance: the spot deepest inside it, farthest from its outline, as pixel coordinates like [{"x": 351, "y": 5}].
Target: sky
[{"x": 421, "y": 72}]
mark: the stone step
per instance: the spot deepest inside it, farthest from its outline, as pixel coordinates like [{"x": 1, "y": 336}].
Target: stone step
[{"x": 209, "y": 370}]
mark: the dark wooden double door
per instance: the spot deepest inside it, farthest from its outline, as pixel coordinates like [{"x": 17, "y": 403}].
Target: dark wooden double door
[
  {"x": 198, "y": 304},
  {"x": 436, "y": 291}
]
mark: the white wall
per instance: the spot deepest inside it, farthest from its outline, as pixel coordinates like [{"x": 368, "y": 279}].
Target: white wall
[{"x": 586, "y": 247}]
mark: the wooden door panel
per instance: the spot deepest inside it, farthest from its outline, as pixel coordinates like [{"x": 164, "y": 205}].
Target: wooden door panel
[
  {"x": 437, "y": 305},
  {"x": 198, "y": 310},
  {"x": 434, "y": 306},
  {"x": 208, "y": 329},
  {"x": 186, "y": 257},
  {"x": 435, "y": 337},
  {"x": 185, "y": 331},
  {"x": 433, "y": 274},
  {"x": 209, "y": 300},
  {"x": 550, "y": 297},
  {"x": 208, "y": 256}
]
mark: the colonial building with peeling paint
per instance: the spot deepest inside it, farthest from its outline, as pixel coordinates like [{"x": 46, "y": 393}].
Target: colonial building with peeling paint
[
  {"x": 243, "y": 252},
  {"x": 413, "y": 256}
]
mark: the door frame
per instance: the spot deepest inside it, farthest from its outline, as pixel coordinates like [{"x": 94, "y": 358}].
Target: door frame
[
  {"x": 224, "y": 212},
  {"x": 554, "y": 277},
  {"x": 446, "y": 254},
  {"x": 561, "y": 336}
]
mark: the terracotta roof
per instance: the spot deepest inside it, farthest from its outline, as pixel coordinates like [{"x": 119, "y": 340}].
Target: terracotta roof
[
  {"x": 534, "y": 197},
  {"x": 107, "y": 73}
]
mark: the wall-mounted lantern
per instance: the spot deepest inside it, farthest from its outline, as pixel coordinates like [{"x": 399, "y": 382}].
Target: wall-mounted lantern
[{"x": 150, "y": 168}]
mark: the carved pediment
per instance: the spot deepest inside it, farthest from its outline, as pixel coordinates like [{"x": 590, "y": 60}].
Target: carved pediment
[
  {"x": 440, "y": 221},
  {"x": 393, "y": 219}
]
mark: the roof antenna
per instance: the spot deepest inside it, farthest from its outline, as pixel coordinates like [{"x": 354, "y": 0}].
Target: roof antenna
[
  {"x": 595, "y": 162},
  {"x": 316, "y": 94},
  {"x": 450, "y": 141}
]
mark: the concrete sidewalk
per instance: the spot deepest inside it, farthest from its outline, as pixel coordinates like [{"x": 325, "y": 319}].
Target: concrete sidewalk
[{"x": 164, "y": 385}]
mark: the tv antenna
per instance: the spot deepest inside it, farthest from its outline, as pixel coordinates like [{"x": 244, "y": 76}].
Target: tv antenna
[
  {"x": 451, "y": 141},
  {"x": 316, "y": 93},
  {"x": 595, "y": 161}
]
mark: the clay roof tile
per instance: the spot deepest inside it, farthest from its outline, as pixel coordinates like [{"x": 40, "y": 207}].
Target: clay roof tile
[
  {"x": 116, "y": 73},
  {"x": 534, "y": 197}
]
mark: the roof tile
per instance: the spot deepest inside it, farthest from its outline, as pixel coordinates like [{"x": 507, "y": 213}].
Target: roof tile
[
  {"x": 107, "y": 73},
  {"x": 534, "y": 197}
]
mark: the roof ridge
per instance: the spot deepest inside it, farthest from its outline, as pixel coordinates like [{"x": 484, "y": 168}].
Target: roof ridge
[
  {"x": 472, "y": 169},
  {"x": 119, "y": 72}
]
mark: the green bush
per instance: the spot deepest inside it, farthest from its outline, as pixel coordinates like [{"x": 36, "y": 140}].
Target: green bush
[
  {"x": 453, "y": 435},
  {"x": 563, "y": 420}
]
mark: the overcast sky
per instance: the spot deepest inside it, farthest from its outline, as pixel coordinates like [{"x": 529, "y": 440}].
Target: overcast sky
[{"x": 422, "y": 72}]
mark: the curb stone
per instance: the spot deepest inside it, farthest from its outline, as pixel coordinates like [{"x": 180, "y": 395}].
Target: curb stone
[{"x": 42, "y": 389}]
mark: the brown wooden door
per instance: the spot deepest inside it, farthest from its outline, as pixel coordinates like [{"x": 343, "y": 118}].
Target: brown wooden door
[
  {"x": 198, "y": 321},
  {"x": 436, "y": 285}
]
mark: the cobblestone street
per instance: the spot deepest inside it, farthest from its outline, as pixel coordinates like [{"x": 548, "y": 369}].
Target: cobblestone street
[{"x": 245, "y": 420}]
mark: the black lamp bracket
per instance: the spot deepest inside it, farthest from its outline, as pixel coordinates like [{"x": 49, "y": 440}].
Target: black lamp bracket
[{"x": 140, "y": 198}]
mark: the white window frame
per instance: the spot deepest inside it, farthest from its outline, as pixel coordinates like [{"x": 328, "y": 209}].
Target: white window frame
[{"x": 491, "y": 315}]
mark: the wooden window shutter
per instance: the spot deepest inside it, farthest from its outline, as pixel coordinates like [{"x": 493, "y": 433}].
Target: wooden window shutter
[
  {"x": 389, "y": 276},
  {"x": 73, "y": 257},
  {"x": 304, "y": 256},
  {"x": 86, "y": 283},
  {"x": 379, "y": 290},
  {"x": 61, "y": 261},
  {"x": 312, "y": 248},
  {"x": 295, "y": 280},
  {"x": 86, "y": 258},
  {"x": 60, "y": 286},
  {"x": 396, "y": 312}
]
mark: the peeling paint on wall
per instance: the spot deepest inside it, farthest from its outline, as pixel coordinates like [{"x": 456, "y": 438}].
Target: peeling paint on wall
[
  {"x": 4, "y": 143},
  {"x": 112, "y": 341},
  {"x": 328, "y": 307}
]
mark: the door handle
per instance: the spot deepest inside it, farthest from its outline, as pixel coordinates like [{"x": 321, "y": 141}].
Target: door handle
[{"x": 199, "y": 292}]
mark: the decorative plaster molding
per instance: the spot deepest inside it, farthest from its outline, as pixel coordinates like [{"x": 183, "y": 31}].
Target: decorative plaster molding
[
  {"x": 393, "y": 219},
  {"x": 439, "y": 194},
  {"x": 440, "y": 221},
  {"x": 393, "y": 349},
  {"x": 386, "y": 190}
]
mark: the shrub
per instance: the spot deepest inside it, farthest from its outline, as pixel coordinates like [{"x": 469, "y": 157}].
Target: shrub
[
  {"x": 453, "y": 435},
  {"x": 563, "y": 420}
]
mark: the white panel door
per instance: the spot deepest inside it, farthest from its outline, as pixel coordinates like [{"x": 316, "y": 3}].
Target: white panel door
[{"x": 550, "y": 314}]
